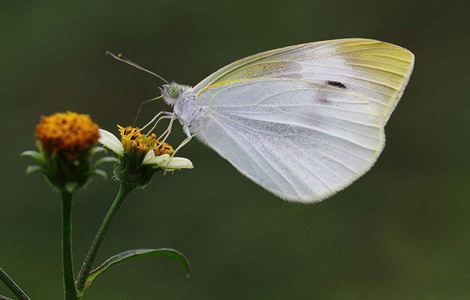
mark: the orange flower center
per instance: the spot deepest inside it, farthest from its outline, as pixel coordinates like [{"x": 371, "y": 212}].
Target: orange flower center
[
  {"x": 133, "y": 140},
  {"x": 67, "y": 133}
]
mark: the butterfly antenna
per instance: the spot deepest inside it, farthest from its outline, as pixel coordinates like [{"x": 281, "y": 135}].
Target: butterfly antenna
[
  {"x": 139, "y": 110},
  {"x": 120, "y": 57}
]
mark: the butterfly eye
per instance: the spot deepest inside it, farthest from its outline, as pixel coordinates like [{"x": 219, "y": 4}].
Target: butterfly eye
[{"x": 173, "y": 90}]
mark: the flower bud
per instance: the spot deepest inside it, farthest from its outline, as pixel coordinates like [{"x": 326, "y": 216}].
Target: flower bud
[{"x": 66, "y": 143}]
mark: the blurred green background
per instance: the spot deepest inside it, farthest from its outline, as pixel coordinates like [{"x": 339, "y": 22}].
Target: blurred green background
[{"x": 400, "y": 232}]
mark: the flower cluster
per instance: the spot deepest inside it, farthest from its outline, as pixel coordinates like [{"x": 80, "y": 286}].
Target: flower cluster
[
  {"x": 68, "y": 134},
  {"x": 140, "y": 155}
]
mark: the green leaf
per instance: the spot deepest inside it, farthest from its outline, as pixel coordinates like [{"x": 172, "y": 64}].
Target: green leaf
[
  {"x": 34, "y": 155},
  {"x": 101, "y": 173},
  {"x": 106, "y": 159},
  {"x": 132, "y": 254},
  {"x": 4, "y": 298},
  {"x": 32, "y": 169}
]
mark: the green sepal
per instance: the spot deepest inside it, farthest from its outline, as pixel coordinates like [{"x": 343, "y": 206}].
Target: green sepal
[
  {"x": 71, "y": 187},
  {"x": 32, "y": 169},
  {"x": 106, "y": 159},
  {"x": 100, "y": 173},
  {"x": 132, "y": 254},
  {"x": 38, "y": 157},
  {"x": 132, "y": 172},
  {"x": 96, "y": 150}
]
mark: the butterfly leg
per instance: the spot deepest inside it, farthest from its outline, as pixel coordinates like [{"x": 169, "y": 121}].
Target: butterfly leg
[
  {"x": 157, "y": 118},
  {"x": 188, "y": 138},
  {"x": 167, "y": 132},
  {"x": 156, "y": 123},
  {"x": 139, "y": 110},
  {"x": 183, "y": 143}
]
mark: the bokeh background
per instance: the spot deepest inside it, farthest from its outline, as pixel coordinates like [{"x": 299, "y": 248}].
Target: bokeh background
[{"x": 400, "y": 232}]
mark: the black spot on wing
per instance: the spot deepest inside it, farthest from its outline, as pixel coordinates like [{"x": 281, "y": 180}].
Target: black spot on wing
[{"x": 336, "y": 84}]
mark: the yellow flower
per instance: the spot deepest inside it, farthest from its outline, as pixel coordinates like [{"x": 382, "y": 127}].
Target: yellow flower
[
  {"x": 140, "y": 155},
  {"x": 68, "y": 134},
  {"x": 134, "y": 141}
]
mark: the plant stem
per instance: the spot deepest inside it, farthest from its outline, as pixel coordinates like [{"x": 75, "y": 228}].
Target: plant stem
[
  {"x": 12, "y": 286},
  {"x": 67, "y": 260},
  {"x": 124, "y": 190}
]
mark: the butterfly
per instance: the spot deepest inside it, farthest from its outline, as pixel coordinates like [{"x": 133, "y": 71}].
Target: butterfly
[{"x": 303, "y": 121}]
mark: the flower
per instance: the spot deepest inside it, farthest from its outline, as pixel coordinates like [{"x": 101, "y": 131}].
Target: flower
[
  {"x": 68, "y": 134},
  {"x": 66, "y": 145},
  {"x": 140, "y": 155}
]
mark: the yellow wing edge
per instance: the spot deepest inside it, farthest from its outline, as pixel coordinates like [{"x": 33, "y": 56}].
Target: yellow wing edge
[{"x": 394, "y": 63}]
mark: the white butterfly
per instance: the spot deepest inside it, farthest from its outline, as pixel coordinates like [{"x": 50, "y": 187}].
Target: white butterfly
[{"x": 303, "y": 121}]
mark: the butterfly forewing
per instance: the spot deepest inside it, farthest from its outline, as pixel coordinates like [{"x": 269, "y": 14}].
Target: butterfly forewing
[{"x": 377, "y": 70}]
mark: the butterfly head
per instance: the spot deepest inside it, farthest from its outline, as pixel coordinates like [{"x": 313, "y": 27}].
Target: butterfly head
[{"x": 173, "y": 92}]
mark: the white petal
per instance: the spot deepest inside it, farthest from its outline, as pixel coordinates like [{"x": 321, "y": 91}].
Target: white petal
[
  {"x": 166, "y": 162},
  {"x": 111, "y": 142},
  {"x": 148, "y": 159},
  {"x": 179, "y": 163}
]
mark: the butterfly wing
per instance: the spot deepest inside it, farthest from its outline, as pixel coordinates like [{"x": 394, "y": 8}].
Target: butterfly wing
[
  {"x": 302, "y": 121},
  {"x": 377, "y": 70},
  {"x": 303, "y": 141}
]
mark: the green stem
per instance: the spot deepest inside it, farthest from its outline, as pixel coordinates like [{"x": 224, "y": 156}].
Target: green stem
[
  {"x": 124, "y": 190},
  {"x": 67, "y": 260},
  {"x": 12, "y": 286}
]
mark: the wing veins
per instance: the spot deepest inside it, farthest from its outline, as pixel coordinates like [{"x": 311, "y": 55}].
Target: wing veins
[
  {"x": 308, "y": 118},
  {"x": 262, "y": 157},
  {"x": 248, "y": 153},
  {"x": 314, "y": 64},
  {"x": 300, "y": 126},
  {"x": 343, "y": 119}
]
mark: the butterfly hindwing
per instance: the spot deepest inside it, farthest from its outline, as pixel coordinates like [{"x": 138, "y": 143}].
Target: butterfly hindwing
[{"x": 303, "y": 141}]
